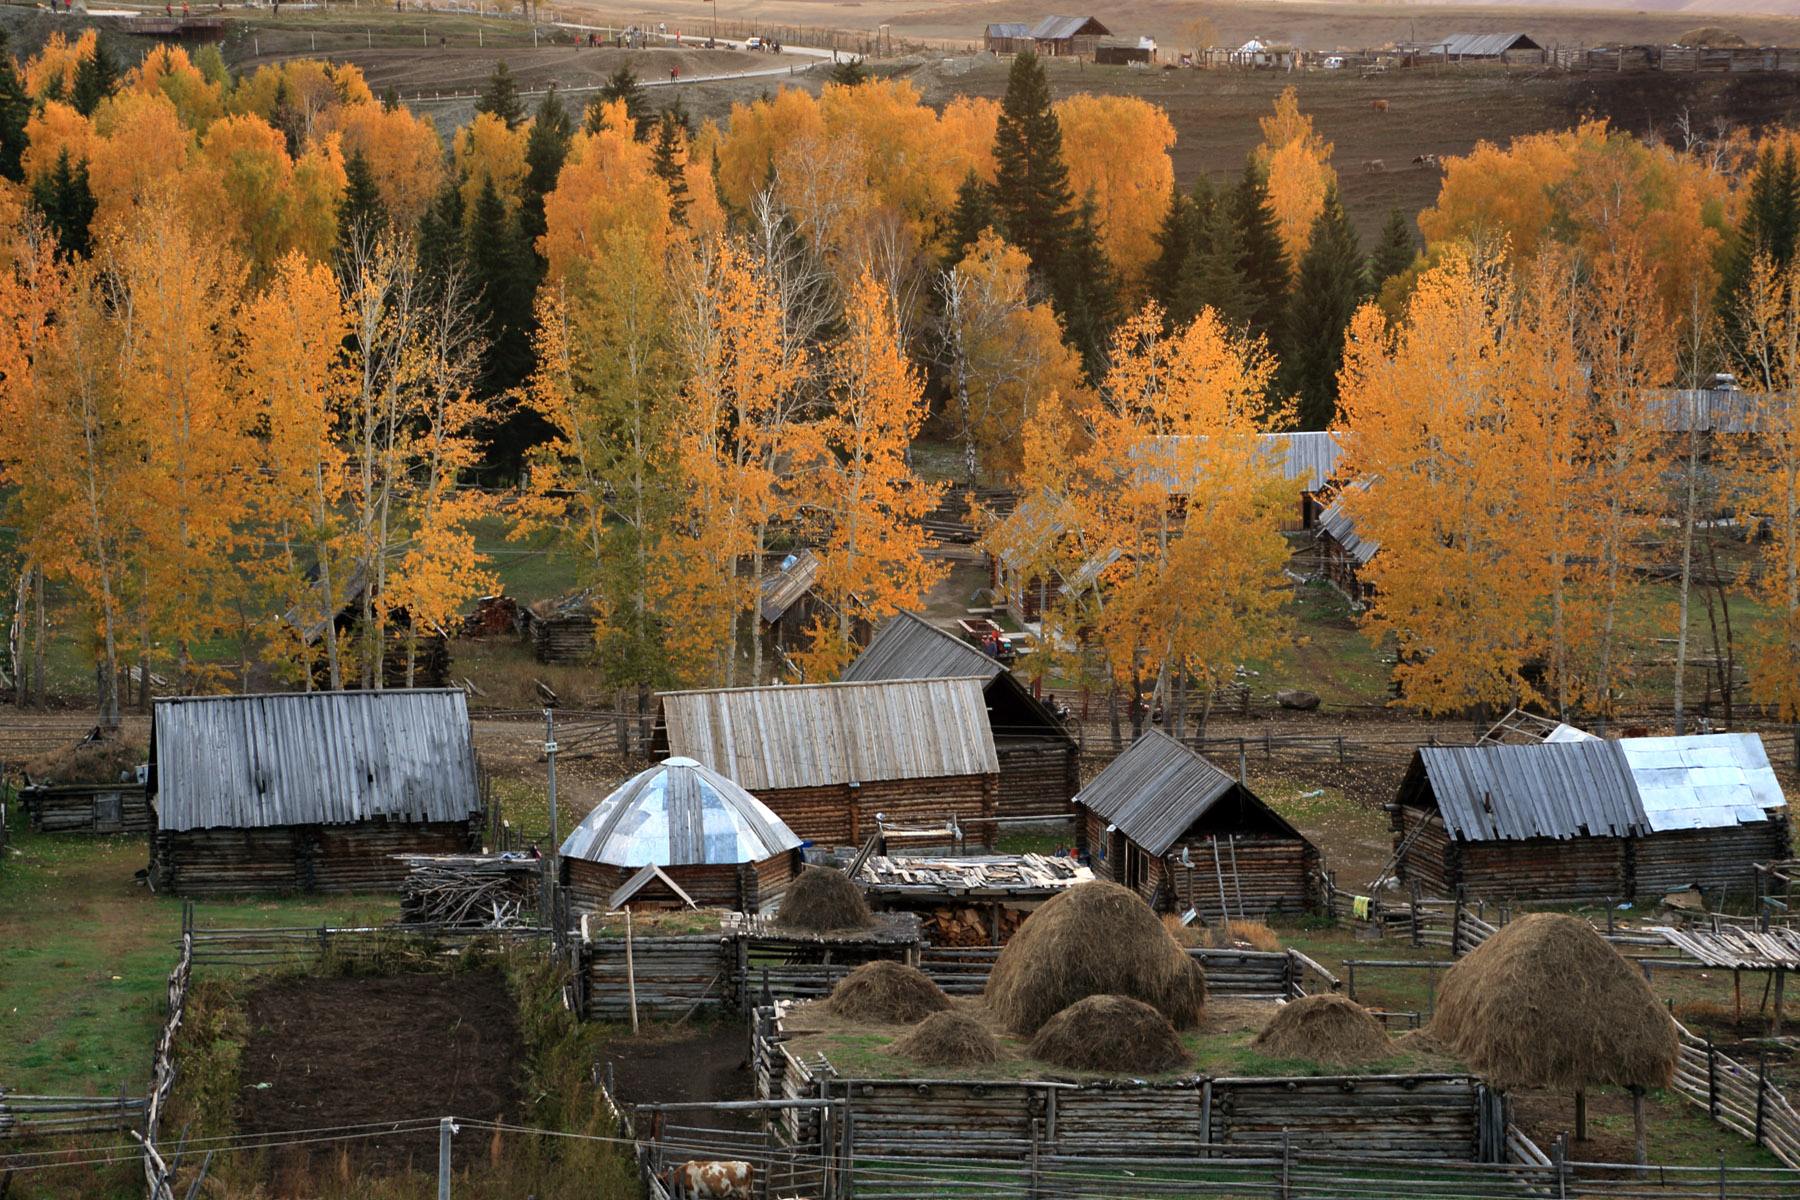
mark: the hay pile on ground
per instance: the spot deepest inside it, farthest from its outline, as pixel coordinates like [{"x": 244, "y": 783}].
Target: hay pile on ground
[
  {"x": 1545, "y": 1002},
  {"x": 824, "y": 899},
  {"x": 1109, "y": 1033},
  {"x": 94, "y": 759},
  {"x": 1711, "y": 36},
  {"x": 887, "y": 991},
  {"x": 948, "y": 1039},
  {"x": 1094, "y": 939},
  {"x": 1328, "y": 1028}
]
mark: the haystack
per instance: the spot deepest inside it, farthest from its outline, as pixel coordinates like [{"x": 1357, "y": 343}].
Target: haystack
[
  {"x": 1546, "y": 1003},
  {"x": 885, "y": 991},
  {"x": 823, "y": 899},
  {"x": 1711, "y": 36},
  {"x": 1327, "y": 1028},
  {"x": 1109, "y": 1033},
  {"x": 97, "y": 758},
  {"x": 948, "y": 1039},
  {"x": 1094, "y": 939}
]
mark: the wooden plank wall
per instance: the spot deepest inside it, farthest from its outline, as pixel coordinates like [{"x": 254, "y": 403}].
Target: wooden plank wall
[
  {"x": 300, "y": 858},
  {"x": 69, "y": 808},
  {"x": 1262, "y": 875},
  {"x": 840, "y": 815},
  {"x": 1037, "y": 778}
]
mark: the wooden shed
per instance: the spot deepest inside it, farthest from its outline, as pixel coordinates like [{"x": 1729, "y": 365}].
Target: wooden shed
[
  {"x": 834, "y": 759},
  {"x": 561, "y": 630},
  {"x": 1068, "y": 37},
  {"x": 1040, "y": 761},
  {"x": 1183, "y": 834},
  {"x": 1022, "y": 553},
  {"x": 676, "y": 835},
  {"x": 1343, "y": 552},
  {"x": 86, "y": 807},
  {"x": 1585, "y": 818},
  {"x": 1490, "y": 47},
  {"x": 1007, "y": 37},
  {"x": 308, "y": 791},
  {"x": 429, "y": 646},
  {"x": 786, "y": 602}
]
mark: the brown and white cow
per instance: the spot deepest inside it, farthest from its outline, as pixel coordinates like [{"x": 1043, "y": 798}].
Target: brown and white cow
[{"x": 720, "y": 1180}]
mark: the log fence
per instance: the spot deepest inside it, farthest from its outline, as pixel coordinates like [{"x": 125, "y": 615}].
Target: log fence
[
  {"x": 159, "y": 1169},
  {"x": 1739, "y": 1097},
  {"x": 26, "y": 1116}
]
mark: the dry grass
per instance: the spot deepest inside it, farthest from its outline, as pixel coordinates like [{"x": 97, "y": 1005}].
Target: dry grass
[
  {"x": 1109, "y": 1033},
  {"x": 949, "y": 1039},
  {"x": 823, "y": 899},
  {"x": 887, "y": 991},
  {"x": 1327, "y": 1028},
  {"x": 1095, "y": 939},
  {"x": 1253, "y": 934},
  {"x": 1546, "y": 1002},
  {"x": 97, "y": 758}
]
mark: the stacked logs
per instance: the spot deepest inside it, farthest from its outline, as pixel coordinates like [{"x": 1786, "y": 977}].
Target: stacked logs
[
  {"x": 963, "y": 926},
  {"x": 471, "y": 891}
]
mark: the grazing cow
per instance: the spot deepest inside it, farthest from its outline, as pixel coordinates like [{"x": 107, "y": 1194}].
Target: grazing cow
[
  {"x": 713, "y": 1180},
  {"x": 1379, "y": 105},
  {"x": 1425, "y": 160},
  {"x": 1374, "y": 166}
]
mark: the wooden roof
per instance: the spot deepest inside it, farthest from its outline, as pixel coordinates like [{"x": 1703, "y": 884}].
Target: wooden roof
[
  {"x": 1158, "y": 788},
  {"x": 312, "y": 758},
  {"x": 783, "y": 588},
  {"x": 819, "y": 735},
  {"x": 910, "y": 647},
  {"x": 988, "y": 875}
]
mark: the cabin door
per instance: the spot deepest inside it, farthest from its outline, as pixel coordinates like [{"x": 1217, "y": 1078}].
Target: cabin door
[
  {"x": 109, "y": 814},
  {"x": 1133, "y": 876}
]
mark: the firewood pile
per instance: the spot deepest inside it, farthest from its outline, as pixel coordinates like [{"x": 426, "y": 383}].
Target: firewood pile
[
  {"x": 494, "y": 616},
  {"x": 978, "y": 900},
  {"x": 969, "y": 927},
  {"x": 470, "y": 891}
]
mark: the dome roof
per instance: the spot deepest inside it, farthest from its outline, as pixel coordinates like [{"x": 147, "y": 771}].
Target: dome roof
[{"x": 679, "y": 813}]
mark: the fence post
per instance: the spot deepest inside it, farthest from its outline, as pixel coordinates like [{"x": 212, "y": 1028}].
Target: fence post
[
  {"x": 1762, "y": 1088},
  {"x": 1559, "y": 1152},
  {"x": 1286, "y": 1150},
  {"x": 444, "y": 1130},
  {"x": 1033, "y": 1185},
  {"x": 1712, "y": 1079}
]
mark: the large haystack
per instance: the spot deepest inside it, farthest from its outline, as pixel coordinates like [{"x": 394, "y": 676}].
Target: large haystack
[
  {"x": 1327, "y": 1028},
  {"x": 948, "y": 1039},
  {"x": 886, "y": 991},
  {"x": 1545, "y": 1002},
  {"x": 1094, "y": 939},
  {"x": 822, "y": 900},
  {"x": 1115, "y": 1034}
]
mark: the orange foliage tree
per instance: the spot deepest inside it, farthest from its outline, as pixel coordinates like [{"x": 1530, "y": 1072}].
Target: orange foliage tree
[
  {"x": 1297, "y": 163},
  {"x": 1117, "y": 150}
]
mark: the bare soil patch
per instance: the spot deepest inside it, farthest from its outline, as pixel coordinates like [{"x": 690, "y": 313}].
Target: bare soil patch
[
  {"x": 703, "y": 1065},
  {"x": 356, "y": 1050}
]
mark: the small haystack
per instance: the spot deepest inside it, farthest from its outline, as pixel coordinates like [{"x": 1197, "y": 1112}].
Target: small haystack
[
  {"x": 890, "y": 992},
  {"x": 949, "y": 1039},
  {"x": 97, "y": 758},
  {"x": 824, "y": 899},
  {"x": 1546, "y": 1002},
  {"x": 1094, "y": 939},
  {"x": 1710, "y": 36},
  {"x": 1115, "y": 1034},
  {"x": 1327, "y": 1028}
]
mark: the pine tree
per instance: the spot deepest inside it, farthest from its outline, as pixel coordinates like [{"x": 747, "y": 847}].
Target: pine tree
[
  {"x": 1174, "y": 255},
  {"x": 622, "y": 84},
  {"x": 545, "y": 149},
  {"x": 503, "y": 272},
  {"x": 1032, "y": 197},
  {"x": 848, "y": 73},
  {"x": 67, "y": 205},
  {"x": 1215, "y": 279},
  {"x": 1261, "y": 261},
  {"x": 285, "y": 117},
  {"x": 501, "y": 97},
  {"x": 1333, "y": 283},
  {"x": 1770, "y": 224},
  {"x": 1085, "y": 292},
  {"x": 96, "y": 78},
  {"x": 390, "y": 99},
  {"x": 361, "y": 214},
  {"x": 1395, "y": 252},
  {"x": 441, "y": 236},
  {"x": 15, "y": 111},
  {"x": 667, "y": 164},
  {"x": 974, "y": 212}
]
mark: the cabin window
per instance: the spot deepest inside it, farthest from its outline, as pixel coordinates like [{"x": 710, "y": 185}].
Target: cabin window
[{"x": 108, "y": 811}]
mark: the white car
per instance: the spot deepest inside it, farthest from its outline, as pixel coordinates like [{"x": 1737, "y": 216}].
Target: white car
[
  {"x": 753, "y": 43},
  {"x": 1334, "y": 63}
]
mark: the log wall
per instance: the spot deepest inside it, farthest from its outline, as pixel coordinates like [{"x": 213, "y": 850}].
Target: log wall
[
  {"x": 841, "y": 815},
  {"x": 1037, "y": 777},
  {"x": 300, "y": 858},
  {"x": 86, "y": 808},
  {"x": 1261, "y": 874},
  {"x": 1715, "y": 859},
  {"x": 1407, "y": 1117},
  {"x": 744, "y": 887},
  {"x": 674, "y": 976}
]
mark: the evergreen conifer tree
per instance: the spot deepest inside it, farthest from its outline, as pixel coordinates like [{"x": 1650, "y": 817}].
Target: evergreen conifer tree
[
  {"x": 1032, "y": 198},
  {"x": 390, "y": 99},
  {"x": 666, "y": 162},
  {"x": 1174, "y": 253},
  {"x": 361, "y": 215},
  {"x": 1261, "y": 261},
  {"x": 1085, "y": 291},
  {"x": 441, "y": 236},
  {"x": 546, "y": 146},
  {"x": 503, "y": 271},
  {"x": 501, "y": 97},
  {"x": 285, "y": 117},
  {"x": 848, "y": 73},
  {"x": 96, "y": 78},
  {"x": 1770, "y": 225},
  {"x": 622, "y": 84},
  {"x": 67, "y": 205},
  {"x": 1333, "y": 283},
  {"x": 973, "y": 213},
  {"x": 1394, "y": 253},
  {"x": 1216, "y": 278},
  {"x": 15, "y": 111}
]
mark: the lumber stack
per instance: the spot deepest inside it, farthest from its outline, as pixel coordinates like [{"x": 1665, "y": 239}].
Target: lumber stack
[
  {"x": 470, "y": 891},
  {"x": 964, "y": 926}
]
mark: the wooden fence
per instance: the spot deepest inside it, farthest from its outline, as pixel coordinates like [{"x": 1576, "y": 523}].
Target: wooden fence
[
  {"x": 23, "y": 1116},
  {"x": 1740, "y": 1099},
  {"x": 159, "y": 1168}
]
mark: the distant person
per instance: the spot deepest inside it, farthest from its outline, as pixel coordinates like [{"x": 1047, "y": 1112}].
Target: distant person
[{"x": 674, "y": 72}]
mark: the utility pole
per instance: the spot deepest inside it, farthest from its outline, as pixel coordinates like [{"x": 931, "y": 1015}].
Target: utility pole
[
  {"x": 550, "y": 758},
  {"x": 445, "y": 1129}
]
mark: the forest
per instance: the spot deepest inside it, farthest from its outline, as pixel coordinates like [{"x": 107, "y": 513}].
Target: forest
[{"x": 271, "y": 351}]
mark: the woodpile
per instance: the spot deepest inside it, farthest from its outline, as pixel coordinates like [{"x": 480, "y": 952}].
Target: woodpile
[
  {"x": 494, "y": 616},
  {"x": 963, "y": 926},
  {"x": 470, "y": 891}
]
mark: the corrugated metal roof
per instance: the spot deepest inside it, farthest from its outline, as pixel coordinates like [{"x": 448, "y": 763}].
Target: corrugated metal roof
[
  {"x": 1593, "y": 787},
  {"x": 782, "y": 588},
  {"x": 313, "y": 758},
  {"x": 1155, "y": 790},
  {"x": 679, "y": 813},
  {"x": 1009, "y": 29},
  {"x": 1706, "y": 410},
  {"x": 1336, "y": 521},
  {"x": 1052, "y": 29},
  {"x": 910, "y": 647},
  {"x": 1482, "y": 45},
  {"x": 1027, "y": 535},
  {"x": 831, "y": 733},
  {"x": 1308, "y": 457}
]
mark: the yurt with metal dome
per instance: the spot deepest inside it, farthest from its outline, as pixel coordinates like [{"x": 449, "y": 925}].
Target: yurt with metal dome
[{"x": 679, "y": 835}]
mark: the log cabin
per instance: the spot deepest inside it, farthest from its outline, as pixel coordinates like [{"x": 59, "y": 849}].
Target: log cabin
[
  {"x": 1343, "y": 552},
  {"x": 308, "y": 791},
  {"x": 1586, "y": 818},
  {"x": 679, "y": 835},
  {"x": 1183, "y": 834},
  {"x": 561, "y": 630},
  {"x": 1022, "y": 552},
  {"x": 837, "y": 760},
  {"x": 86, "y": 807},
  {"x": 787, "y": 604},
  {"x": 1040, "y": 762}
]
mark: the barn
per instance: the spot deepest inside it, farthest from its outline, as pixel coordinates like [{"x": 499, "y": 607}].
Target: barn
[
  {"x": 679, "y": 834},
  {"x": 836, "y": 760},
  {"x": 1183, "y": 834},
  {"x": 1491, "y": 47},
  {"x": 1583, "y": 818},
  {"x": 1040, "y": 762},
  {"x": 1068, "y": 37},
  {"x": 1007, "y": 37},
  {"x": 308, "y": 791}
]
